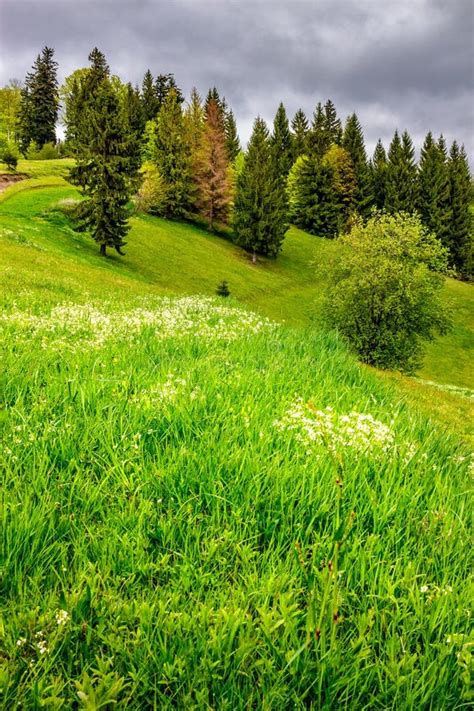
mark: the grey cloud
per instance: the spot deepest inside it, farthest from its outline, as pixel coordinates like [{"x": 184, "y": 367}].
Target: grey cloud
[{"x": 397, "y": 63}]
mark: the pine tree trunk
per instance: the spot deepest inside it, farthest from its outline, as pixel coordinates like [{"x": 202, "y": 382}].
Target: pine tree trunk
[
  {"x": 103, "y": 248},
  {"x": 254, "y": 258}
]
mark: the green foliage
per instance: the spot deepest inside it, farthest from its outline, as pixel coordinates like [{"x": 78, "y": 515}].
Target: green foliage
[
  {"x": 401, "y": 182},
  {"x": 385, "y": 297},
  {"x": 353, "y": 142},
  {"x": 281, "y": 143},
  {"x": 164, "y": 85},
  {"x": 39, "y": 103},
  {"x": 10, "y": 98},
  {"x": 149, "y": 99},
  {"x": 172, "y": 156},
  {"x": 134, "y": 125},
  {"x": 48, "y": 151},
  {"x": 318, "y": 140},
  {"x": 9, "y": 155},
  {"x": 152, "y": 191},
  {"x": 433, "y": 190},
  {"x": 260, "y": 210},
  {"x": 300, "y": 128},
  {"x": 461, "y": 226},
  {"x": 344, "y": 182},
  {"x": 332, "y": 123},
  {"x": 314, "y": 203},
  {"x": 378, "y": 171},
  {"x": 223, "y": 289},
  {"x": 231, "y": 136},
  {"x": 105, "y": 169}
]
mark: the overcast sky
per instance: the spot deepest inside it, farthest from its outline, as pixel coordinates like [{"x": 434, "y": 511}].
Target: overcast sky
[{"x": 397, "y": 63}]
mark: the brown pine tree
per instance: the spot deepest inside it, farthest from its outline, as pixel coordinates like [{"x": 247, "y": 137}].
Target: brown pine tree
[{"x": 212, "y": 170}]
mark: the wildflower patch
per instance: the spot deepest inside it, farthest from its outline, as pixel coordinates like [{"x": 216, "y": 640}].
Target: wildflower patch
[{"x": 355, "y": 431}]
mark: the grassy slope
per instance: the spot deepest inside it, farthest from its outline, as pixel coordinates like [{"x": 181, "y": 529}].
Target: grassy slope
[
  {"x": 41, "y": 252},
  {"x": 186, "y": 537}
]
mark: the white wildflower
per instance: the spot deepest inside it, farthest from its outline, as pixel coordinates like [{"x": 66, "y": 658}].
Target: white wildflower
[
  {"x": 62, "y": 616},
  {"x": 355, "y": 430}
]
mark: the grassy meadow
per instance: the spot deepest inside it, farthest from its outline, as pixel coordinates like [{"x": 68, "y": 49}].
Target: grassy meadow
[{"x": 208, "y": 503}]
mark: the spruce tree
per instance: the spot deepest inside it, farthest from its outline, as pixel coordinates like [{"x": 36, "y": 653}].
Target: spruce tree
[
  {"x": 260, "y": 219},
  {"x": 135, "y": 125},
  {"x": 212, "y": 176},
  {"x": 318, "y": 140},
  {"x": 315, "y": 204},
  {"x": 353, "y": 142},
  {"x": 39, "y": 103},
  {"x": 333, "y": 125},
  {"x": 149, "y": 100},
  {"x": 393, "y": 175},
  {"x": 281, "y": 143},
  {"x": 401, "y": 186},
  {"x": 379, "y": 175},
  {"x": 172, "y": 157},
  {"x": 104, "y": 170},
  {"x": 231, "y": 136},
  {"x": 433, "y": 189},
  {"x": 194, "y": 114},
  {"x": 164, "y": 84},
  {"x": 300, "y": 128},
  {"x": 461, "y": 242}
]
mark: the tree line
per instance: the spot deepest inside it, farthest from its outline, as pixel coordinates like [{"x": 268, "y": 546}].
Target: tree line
[{"x": 183, "y": 159}]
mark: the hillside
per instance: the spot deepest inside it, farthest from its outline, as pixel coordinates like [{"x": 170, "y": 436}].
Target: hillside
[
  {"x": 42, "y": 254},
  {"x": 206, "y": 508}
]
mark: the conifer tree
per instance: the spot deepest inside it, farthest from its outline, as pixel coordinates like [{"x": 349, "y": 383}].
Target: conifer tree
[
  {"x": 315, "y": 204},
  {"x": 104, "y": 170},
  {"x": 281, "y": 143},
  {"x": 213, "y": 183},
  {"x": 461, "y": 242},
  {"x": 393, "y": 175},
  {"x": 379, "y": 175},
  {"x": 164, "y": 84},
  {"x": 194, "y": 114},
  {"x": 135, "y": 125},
  {"x": 401, "y": 186},
  {"x": 150, "y": 105},
  {"x": 260, "y": 220},
  {"x": 300, "y": 128},
  {"x": 213, "y": 95},
  {"x": 231, "y": 136},
  {"x": 433, "y": 189},
  {"x": 173, "y": 156},
  {"x": 353, "y": 142},
  {"x": 318, "y": 140},
  {"x": 333, "y": 125},
  {"x": 39, "y": 104}
]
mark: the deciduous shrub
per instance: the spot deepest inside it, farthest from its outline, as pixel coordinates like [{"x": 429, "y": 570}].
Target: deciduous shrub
[{"x": 385, "y": 293}]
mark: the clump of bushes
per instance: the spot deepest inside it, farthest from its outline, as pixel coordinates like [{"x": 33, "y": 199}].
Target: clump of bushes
[
  {"x": 385, "y": 292},
  {"x": 49, "y": 151},
  {"x": 9, "y": 155}
]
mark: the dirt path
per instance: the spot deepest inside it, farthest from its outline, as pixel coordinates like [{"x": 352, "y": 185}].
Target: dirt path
[{"x": 7, "y": 179}]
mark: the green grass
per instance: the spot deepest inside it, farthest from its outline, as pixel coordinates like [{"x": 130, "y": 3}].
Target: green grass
[
  {"x": 166, "y": 541},
  {"x": 200, "y": 552},
  {"x": 169, "y": 258}
]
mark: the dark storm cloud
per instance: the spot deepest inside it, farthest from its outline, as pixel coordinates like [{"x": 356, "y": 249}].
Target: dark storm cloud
[{"x": 397, "y": 63}]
